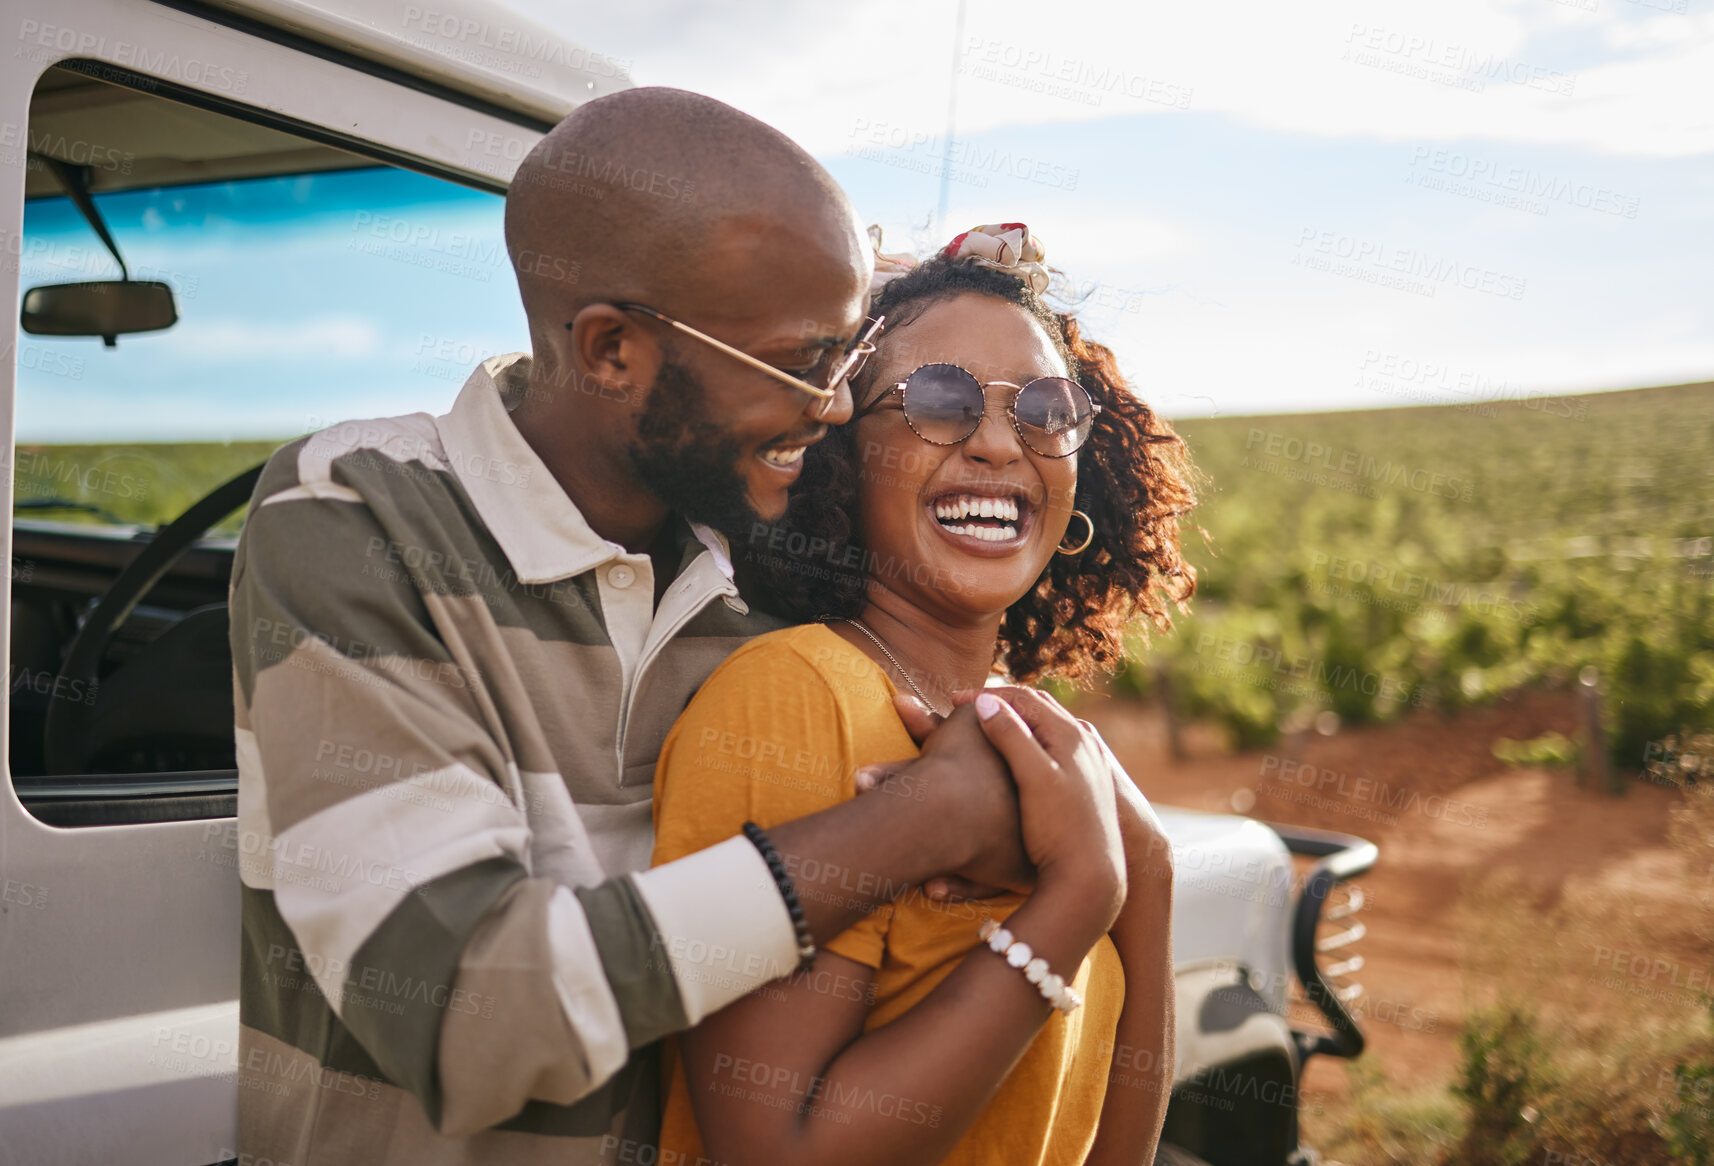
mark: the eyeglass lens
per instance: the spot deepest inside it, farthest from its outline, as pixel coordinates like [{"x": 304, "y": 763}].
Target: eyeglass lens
[
  {"x": 945, "y": 403},
  {"x": 846, "y": 365}
]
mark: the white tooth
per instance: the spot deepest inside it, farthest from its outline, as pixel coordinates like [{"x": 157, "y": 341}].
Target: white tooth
[
  {"x": 986, "y": 508},
  {"x": 1011, "y": 514},
  {"x": 964, "y": 508},
  {"x": 1010, "y": 532}
]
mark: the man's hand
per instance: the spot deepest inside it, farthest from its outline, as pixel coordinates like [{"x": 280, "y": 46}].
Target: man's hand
[
  {"x": 971, "y": 793},
  {"x": 970, "y": 790},
  {"x": 920, "y": 721}
]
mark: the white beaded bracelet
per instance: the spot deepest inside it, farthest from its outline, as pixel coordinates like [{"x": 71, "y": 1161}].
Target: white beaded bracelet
[{"x": 1053, "y": 988}]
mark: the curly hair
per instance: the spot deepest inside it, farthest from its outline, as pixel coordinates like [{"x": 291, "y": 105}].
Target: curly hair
[{"x": 1134, "y": 482}]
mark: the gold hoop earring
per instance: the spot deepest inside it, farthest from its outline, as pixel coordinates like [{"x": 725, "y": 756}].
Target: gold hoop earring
[{"x": 1087, "y": 539}]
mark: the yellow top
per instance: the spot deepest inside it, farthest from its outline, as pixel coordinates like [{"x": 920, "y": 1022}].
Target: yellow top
[{"x": 776, "y": 733}]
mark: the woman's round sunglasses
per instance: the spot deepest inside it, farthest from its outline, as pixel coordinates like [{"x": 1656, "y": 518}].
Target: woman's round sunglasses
[{"x": 945, "y": 403}]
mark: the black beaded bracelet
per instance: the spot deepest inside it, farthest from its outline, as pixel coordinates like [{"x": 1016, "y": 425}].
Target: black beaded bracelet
[{"x": 783, "y": 881}]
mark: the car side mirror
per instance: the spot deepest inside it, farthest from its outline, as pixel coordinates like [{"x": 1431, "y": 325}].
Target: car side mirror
[{"x": 105, "y": 308}]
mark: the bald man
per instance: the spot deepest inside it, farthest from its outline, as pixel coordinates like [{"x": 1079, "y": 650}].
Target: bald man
[{"x": 459, "y": 642}]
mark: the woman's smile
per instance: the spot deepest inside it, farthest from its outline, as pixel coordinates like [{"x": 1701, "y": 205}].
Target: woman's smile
[{"x": 989, "y": 519}]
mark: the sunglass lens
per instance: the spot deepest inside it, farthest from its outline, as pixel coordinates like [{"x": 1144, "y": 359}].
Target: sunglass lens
[
  {"x": 1055, "y": 416},
  {"x": 943, "y": 403}
]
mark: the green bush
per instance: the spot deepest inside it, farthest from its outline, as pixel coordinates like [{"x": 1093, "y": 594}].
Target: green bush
[
  {"x": 1547, "y": 749},
  {"x": 1463, "y": 557},
  {"x": 1500, "y": 1078}
]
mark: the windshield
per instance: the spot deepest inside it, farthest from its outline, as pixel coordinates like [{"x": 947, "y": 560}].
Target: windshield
[{"x": 303, "y": 300}]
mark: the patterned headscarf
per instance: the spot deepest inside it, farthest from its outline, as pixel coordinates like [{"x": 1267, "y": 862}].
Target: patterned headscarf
[{"x": 1006, "y": 246}]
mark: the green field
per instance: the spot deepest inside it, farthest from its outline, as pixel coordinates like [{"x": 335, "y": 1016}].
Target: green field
[
  {"x": 144, "y": 483},
  {"x": 1362, "y": 563},
  {"x": 1369, "y": 562}
]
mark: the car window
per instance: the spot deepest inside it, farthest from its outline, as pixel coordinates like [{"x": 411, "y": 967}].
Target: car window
[
  {"x": 303, "y": 299},
  {"x": 308, "y": 286}
]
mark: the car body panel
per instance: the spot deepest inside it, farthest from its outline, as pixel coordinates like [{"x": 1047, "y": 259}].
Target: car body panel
[
  {"x": 478, "y": 47},
  {"x": 1232, "y": 897},
  {"x": 117, "y": 943}
]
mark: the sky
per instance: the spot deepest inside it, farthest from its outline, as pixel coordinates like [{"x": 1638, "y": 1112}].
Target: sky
[
  {"x": 301, "y": 301},
  {"x": 1262, "y": 208},
  {"x": 1276, "y": 207}
]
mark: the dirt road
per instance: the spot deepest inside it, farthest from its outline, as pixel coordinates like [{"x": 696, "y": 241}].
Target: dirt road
[{"x": 1444, "y": 811}]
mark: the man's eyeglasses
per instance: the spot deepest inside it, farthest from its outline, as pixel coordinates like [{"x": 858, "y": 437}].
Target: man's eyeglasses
[
  {"x": 822, "y": 381},
  {"x": 944, "y": 404}
]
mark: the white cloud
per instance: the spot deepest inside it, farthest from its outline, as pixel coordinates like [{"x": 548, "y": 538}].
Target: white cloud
[
  {"x": 1595, "y": 93},
  {"x": 230, "y": 339},
  {"x": 1625, "y": 79}
]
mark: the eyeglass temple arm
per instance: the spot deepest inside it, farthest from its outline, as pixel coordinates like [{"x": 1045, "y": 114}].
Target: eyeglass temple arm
[{"x": 740, "y": 354}]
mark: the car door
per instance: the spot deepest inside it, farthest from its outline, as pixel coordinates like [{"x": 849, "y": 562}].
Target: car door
[{"x": 119, "y": 906}]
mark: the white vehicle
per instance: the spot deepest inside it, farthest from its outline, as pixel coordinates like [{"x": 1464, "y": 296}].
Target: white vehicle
[{"x": 234, "y": 162}]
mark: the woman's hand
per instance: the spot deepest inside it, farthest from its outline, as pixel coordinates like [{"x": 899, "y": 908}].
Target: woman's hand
[{"x": 1067, "y": 798}]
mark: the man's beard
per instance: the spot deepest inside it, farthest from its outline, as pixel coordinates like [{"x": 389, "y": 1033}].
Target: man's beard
[{"x": 687, "y": 460}]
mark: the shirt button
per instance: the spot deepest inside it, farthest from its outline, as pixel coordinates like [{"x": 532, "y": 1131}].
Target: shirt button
[{"x": 621, "y": 576}]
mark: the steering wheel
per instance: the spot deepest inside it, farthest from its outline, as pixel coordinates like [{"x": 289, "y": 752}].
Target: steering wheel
[{"x": 69, "y": 736}]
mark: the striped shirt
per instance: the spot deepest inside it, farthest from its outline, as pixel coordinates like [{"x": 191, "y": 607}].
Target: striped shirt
[{"x": 451, "y": 694}]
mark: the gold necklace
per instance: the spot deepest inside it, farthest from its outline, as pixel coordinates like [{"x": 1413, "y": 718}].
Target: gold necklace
[{"x": 894, "y": 661}]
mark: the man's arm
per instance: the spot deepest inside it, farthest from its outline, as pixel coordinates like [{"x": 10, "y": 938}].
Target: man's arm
[
  {"x": 954, "y": 810},
  {"x": 382, "y": 824}
]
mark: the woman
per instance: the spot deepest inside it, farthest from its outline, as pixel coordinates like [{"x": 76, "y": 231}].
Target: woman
[{"x": 993, "y": 528}]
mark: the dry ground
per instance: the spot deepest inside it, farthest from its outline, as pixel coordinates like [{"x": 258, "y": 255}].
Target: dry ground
[{"x": 1537, "y": 823}]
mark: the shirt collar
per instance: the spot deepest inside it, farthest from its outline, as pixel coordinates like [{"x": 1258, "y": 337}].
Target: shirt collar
[
  {"x": 542, "y": 532},
  {"x": 717, "y": 547}
]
